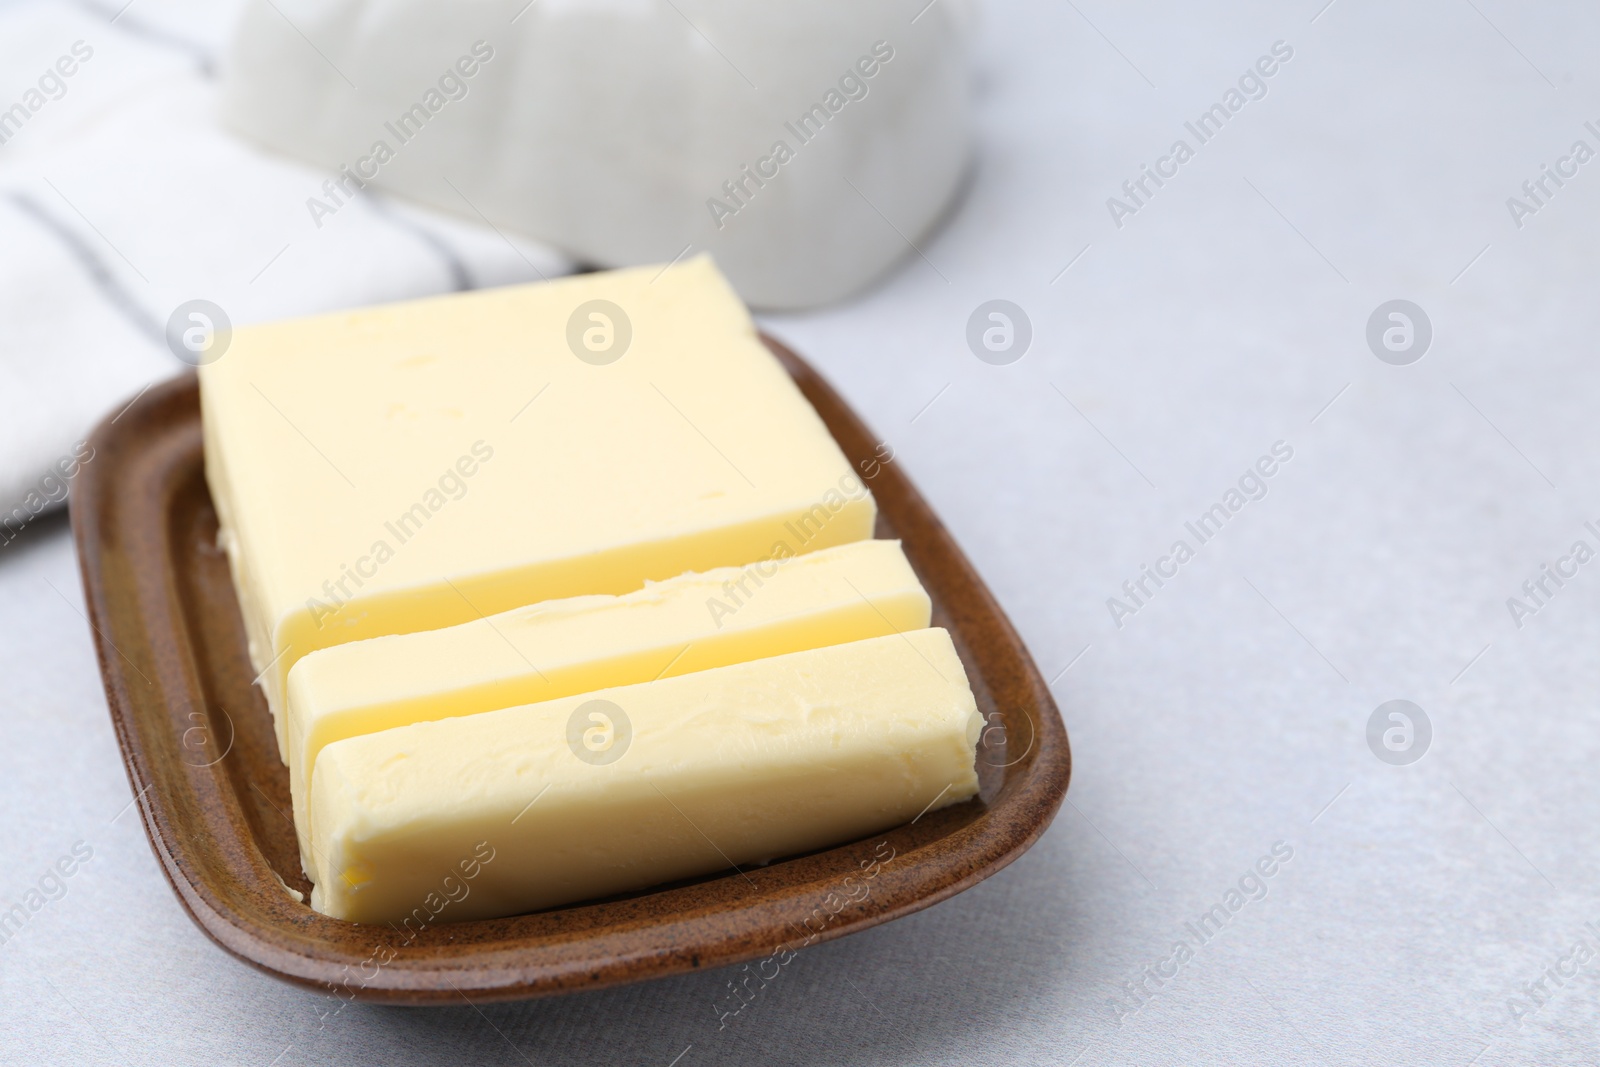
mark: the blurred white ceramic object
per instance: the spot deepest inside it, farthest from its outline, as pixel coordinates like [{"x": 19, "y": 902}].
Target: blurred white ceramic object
[{"x": 804, "y": 144}]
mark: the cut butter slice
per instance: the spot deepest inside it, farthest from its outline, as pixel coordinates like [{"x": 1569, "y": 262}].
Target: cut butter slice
[
  {"x": 420, "y": 465},
  {"x": 626, "y": 788},
  {"x": 563, "y": 647}
]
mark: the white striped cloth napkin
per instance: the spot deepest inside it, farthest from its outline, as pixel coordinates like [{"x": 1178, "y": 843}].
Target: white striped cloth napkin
[{"x": 121, "y": 199}]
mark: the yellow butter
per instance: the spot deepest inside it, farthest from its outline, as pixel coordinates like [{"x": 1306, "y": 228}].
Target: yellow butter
[
  {"x": 420, "y": 465},
  {"x": 562, "y": 647},
  {"x": 574, "y": 799}
]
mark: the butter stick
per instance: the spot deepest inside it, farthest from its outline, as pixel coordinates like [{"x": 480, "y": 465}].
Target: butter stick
[
  {"x": 563, "y": 647},
  {"x": 421, "y": 465},
  {"x": 627, "y": 788}
]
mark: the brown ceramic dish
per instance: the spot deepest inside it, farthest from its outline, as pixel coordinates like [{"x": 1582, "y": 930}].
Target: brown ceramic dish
[{"x": 198, "y": 743}]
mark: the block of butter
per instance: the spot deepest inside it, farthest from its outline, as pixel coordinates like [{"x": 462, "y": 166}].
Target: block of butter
[
  {"x": 421, "y": 465},
  {"x": 561, "y": 647},
  {"x": 626, "y": 788}
]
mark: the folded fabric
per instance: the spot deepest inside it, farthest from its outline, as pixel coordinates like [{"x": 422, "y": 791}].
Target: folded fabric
[{"x": 121, "y": 199}]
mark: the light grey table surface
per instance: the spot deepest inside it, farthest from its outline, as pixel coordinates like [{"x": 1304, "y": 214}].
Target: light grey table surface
[{"x": 1422, "y": 902}]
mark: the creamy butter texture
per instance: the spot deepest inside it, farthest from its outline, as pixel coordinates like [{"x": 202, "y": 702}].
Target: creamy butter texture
[
  {"x": 556, "y": 585},
  {"x": 426, "y": 464},
  {"x": 563, "y": 647},
  {"x": 765, "y": 759}
]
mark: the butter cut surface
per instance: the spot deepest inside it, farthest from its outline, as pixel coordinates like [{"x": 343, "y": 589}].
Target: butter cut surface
[
  {"x": 738, "y": 764},
  {"x": 424, "y": 464},
  {"x": 562, "y": 647}
]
